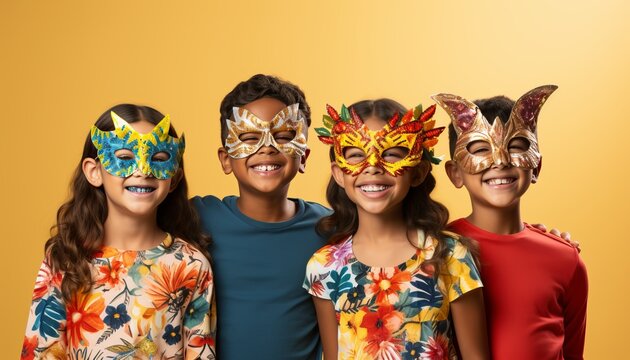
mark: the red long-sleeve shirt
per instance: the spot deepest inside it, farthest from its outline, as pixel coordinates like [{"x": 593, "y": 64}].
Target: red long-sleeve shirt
[{"x": 535, "y": 291}]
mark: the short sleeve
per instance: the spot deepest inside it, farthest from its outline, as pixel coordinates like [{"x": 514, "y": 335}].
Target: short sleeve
[
  {"x": 318, "y": 270},
  {"x": 45, "y": 329},
  {"x": 461, "y": 274}
]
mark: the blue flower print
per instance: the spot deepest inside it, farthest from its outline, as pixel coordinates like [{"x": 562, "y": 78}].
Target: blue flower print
[
  {"x": 116, "y": 316},
  {"x": 172, "y": 335},
  {"x": 356, "y": 294},
  {"x": 196, "y": 311},
  {"x": 413, "y": 351}
]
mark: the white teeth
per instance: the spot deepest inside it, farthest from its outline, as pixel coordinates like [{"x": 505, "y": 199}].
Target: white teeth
[
  {"x": 500, "y": 181},
  {"x": 266, "y": 167},
  {"x": 138, "y": 189},
  {"x": 373, "y": 188}
]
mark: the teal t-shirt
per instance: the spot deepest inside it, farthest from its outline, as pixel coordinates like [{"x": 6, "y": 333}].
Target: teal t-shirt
[{"x": 262, "y": 310}]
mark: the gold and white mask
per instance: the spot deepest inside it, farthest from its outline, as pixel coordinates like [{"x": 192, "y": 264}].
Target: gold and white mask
[
  {"x": 471, "y": 126},
  {"x": 288, "y": 120}
]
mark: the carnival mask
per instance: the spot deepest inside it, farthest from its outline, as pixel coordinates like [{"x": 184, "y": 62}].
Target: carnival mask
[
  {"x": 143, "y": 146},
  {"x": 471, "y": 126},
  {"x": 413, "y": 132},
  {"x": 288, "y": 120}
]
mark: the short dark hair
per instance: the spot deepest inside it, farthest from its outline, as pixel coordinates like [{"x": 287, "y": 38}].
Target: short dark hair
[
  {"x": 491, "y": 108},
  {"x": 257, "y": 87}
]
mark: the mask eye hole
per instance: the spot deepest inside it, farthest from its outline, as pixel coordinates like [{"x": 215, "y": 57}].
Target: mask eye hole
[
  {"x": 124, "y": 154},
  {"x": 395, "y": 154},
  {"x": 161, "y": 156},
  {"x": 479, "y": 148},
  {"x": 518, "y": 145},
  {"x": 283, "y": 137},
  {"x": 353, "y": 155},
  {"x": 250, "y": 138}
]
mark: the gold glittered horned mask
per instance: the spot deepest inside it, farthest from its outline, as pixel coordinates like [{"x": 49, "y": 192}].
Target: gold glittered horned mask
[
  {"x": 288, "y": 120},
  {"x": 414, "y": 131},
  {"x": 471, "y": 126}
]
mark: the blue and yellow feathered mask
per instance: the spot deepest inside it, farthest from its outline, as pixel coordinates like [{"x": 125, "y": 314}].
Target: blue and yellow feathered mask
[{"x": 143, "y": 146}]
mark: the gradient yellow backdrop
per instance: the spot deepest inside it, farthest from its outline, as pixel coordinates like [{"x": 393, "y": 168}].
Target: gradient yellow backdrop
[{"x": 65, "y": 62}]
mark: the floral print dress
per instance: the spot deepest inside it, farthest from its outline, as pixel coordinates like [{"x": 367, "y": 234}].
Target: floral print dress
[
  {"x": 399, "y": 312},
  {"x": 149, "y": 304}
]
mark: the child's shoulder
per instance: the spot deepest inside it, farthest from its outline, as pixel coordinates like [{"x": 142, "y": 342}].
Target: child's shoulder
[
  {"x": 182, "y": 251},
  {"x": 205, "y": 201},
  {"x": 338, "y": 251},
  {"x": 451, "y": 240},
  {"x": 313, "y": 206},
  {"x": 550, "y": 240}
]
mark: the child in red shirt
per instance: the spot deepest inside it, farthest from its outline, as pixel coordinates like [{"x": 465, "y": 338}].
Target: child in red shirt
[{"x": 535, "y": 283}]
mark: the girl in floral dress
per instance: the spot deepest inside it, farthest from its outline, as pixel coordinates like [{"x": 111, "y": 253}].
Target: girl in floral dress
[
  {"x": 125, "y": 274},
  {"x": 391, "y": 279}
]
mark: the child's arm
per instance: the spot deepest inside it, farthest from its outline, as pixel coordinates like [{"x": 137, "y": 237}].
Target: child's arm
[
  {"x": 327, "y": 323},
  {"x": 466, "y": 301},
  {"x": 469, "y": 318},
  {"x": 575, "y": 313},
  {"x": 45, "y": 329},
  {"x": 200, "y": 318}
]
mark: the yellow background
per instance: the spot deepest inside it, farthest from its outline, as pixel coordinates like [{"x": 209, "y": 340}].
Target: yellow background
[{"x": 64, "y": 63}]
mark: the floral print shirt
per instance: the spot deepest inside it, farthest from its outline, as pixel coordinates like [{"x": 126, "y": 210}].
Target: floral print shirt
[
  {"x": 398, "y": 312},
  {"x": 149, "y": 304}
]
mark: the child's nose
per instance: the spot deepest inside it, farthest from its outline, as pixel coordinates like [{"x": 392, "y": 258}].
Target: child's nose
[
  {"x": 267, "y": 150},
  {"x": 501, "y": 158}
]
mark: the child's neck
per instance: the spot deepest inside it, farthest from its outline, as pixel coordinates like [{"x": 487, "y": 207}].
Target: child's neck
[
  {"x": 503, "y": 221},
  {"x": 380, "y": 227},
  {"x": 130, "y": 233},
  {"x": 383, "y": 241},
  {"x": 268, "y": 207}
]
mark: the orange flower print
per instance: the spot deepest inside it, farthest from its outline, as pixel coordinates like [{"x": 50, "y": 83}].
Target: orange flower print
[
  {"x": 112, "y": 273},
  {"x": 386, "y": 284},
  {"x": 380, "y": 325},
  {"x": 170, "y": 286},
  {"x": 206, "y": 281},
  {"x": 45, "y": 279},
  {"x": 28, "y": 348},
  {"x": 83, "y": 315},
  {"x": 205, "y": 341}
]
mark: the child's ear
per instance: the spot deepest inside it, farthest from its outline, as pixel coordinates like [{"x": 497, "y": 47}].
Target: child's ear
[
  {"x": 454, "y": 173},
  {"x": 536, "y": 172},
  {"x": 176, "y": 179},
  {"x": 337, "y": 174},
  {"x": 224, "y": 159},
  {"x": 421, "y": 172},
  {"x": 302, "y": 167},
  {"x": 92, "y": 172}
]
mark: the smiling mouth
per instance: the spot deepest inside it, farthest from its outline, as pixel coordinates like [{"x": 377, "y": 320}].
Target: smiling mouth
[
  {"x": 140, "y": 189},
  {"x": 266, "y": 167},
  {"x": 500, "y": 181},
  {"x": 373, "y": 188}
]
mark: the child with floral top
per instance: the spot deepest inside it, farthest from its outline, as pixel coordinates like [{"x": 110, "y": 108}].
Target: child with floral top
[
  {"x": 126, "y": 274},
  {"x": 391, "y": 279}
]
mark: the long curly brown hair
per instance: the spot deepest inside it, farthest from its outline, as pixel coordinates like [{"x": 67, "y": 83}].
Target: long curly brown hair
[
  {"x": 420, "y": 211},
  {"x": 78, "y": 233}
]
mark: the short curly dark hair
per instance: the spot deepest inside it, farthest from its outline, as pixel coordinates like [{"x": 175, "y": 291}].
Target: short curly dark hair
[
  {"x": 257, "y": 87},
  {"x": 500, "y": 106}
]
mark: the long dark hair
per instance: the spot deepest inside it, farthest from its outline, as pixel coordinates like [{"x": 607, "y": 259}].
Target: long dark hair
[
  {"x": 420, "y": 211},
  {"x": 78, "y": 233}
]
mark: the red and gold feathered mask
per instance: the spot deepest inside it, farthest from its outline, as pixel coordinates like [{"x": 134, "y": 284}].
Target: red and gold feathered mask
[{"x": 413, "y": 131}]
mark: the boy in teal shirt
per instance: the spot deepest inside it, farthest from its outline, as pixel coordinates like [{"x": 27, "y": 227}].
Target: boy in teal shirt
[{"x": 263, "y": 239}]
